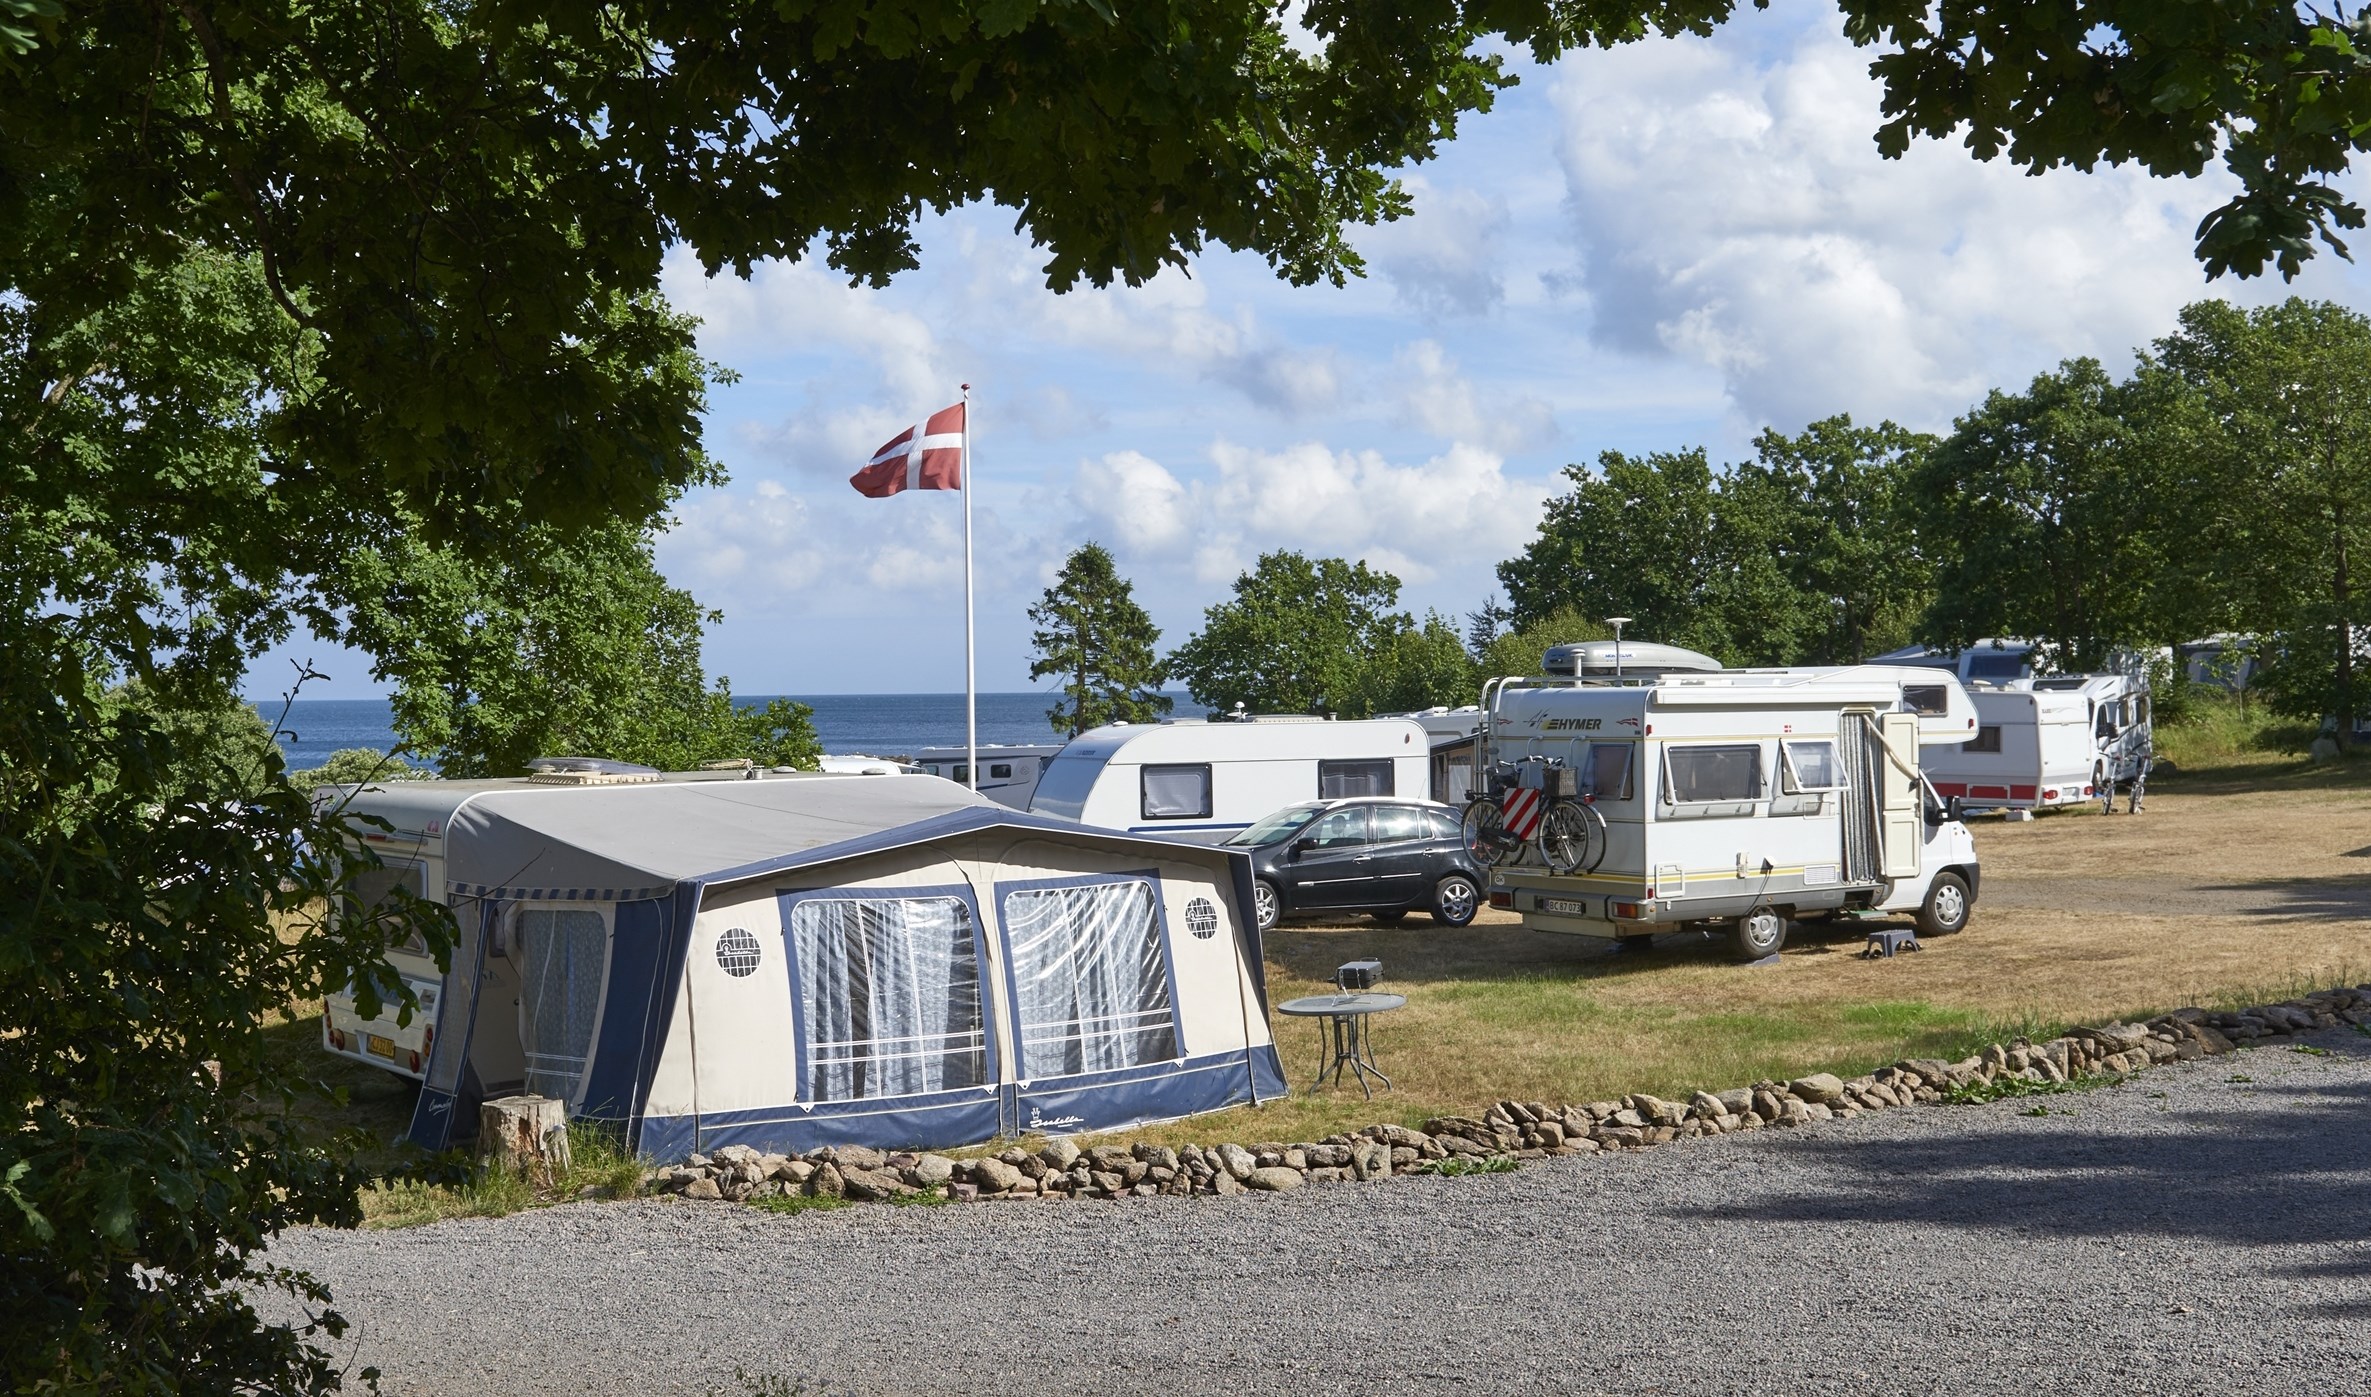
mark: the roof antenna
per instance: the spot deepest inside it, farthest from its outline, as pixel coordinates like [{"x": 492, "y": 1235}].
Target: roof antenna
[{"x": 1617, "y": 622}]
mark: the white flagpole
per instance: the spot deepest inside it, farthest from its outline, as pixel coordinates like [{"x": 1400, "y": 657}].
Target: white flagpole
[{"x": 971, "y": 677}]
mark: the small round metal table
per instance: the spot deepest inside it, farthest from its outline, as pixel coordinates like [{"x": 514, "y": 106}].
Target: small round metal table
[{"x": 1346, "y": 1043}]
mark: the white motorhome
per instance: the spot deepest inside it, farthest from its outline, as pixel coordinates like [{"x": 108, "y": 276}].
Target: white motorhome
[
  {"x": 1736, "y": 800},
  {"x": 1203, "y": 779},
  {"x": 2046, "y": 743},
  {"x": 1009, "y": 772}
]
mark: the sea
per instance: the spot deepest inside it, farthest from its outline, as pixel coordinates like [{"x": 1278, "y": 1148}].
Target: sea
[{"x": 877, "y": 725}]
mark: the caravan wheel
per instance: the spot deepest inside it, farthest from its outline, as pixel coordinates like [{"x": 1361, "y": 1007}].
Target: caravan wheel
[
  {"x": 1264, "y": 905},
  {"x": 1759, "y": 933}
]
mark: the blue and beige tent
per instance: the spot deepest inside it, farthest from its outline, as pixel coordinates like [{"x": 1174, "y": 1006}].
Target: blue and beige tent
[{"x": 809, "y": 960}]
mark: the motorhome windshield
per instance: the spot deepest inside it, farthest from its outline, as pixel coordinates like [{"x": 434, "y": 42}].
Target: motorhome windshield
[
  {"x": 1282, "y": 825},
  {"x": 1999, "y": 666}
]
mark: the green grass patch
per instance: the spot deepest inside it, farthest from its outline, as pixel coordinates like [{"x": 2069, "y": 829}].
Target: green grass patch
[
  {"x": 1458, "y": 1165},
  {"x": 793, "y": 1203},
  {"x": 456, "y": 1187}
]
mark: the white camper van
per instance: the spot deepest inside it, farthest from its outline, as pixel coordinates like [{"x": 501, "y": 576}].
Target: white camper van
[
  {"x": 2051, "y": 742},
  {"x": 1008, "y": 771},
  {"x": 785, "y": 962},
  {"x": 1737, "y": 799},
  {"x": 1204, "y": 779}
]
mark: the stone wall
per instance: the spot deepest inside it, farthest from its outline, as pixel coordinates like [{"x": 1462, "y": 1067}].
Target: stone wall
[{"x": 1508, "y": 1132}]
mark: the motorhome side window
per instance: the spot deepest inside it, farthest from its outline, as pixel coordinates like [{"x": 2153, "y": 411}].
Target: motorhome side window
[
  {"x": 1090, "y": 979},
  {"x": 1608, "y": 771},
  {"x": 562, "y": 954},
  {"x": 1987, "y": 739},
  {"x": 1811, "y": 766},
  {"x": 1927, "y": 700},
  {"x": 370, "y": 888},
  {"x": 1177, "y": 792},
  {"x": 1722, "y": 773},
  {"x": 1337, "y": 780},
  {"x": 889, "y": 996}
]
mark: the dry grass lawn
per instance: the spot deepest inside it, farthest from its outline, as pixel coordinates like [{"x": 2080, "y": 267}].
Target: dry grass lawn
[{"x": 2226, "y": 888}]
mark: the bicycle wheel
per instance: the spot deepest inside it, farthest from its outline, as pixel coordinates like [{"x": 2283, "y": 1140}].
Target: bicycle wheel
[
  {"x": 1485, "y": 832},
  {"x": 1572, "y": 837}
]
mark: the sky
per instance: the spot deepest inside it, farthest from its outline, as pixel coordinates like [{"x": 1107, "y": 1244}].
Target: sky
[{"x": 1673, "y": 244}]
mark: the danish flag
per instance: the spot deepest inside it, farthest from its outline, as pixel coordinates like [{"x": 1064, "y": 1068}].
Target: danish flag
[{"x": 925, "y": 457}]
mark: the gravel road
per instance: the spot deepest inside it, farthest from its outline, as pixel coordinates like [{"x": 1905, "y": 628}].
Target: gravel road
[{"x": 2188, "y": 1230}]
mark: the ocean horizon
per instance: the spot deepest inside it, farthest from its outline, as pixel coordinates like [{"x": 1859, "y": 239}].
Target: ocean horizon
[{"x": 879, "y": 725}]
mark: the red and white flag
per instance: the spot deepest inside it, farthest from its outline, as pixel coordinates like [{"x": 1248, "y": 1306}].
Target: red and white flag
[{"x": 927, "y": 457}]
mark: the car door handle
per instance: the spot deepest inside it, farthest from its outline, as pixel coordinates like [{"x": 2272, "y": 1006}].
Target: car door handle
[{"x": 1364, "y": 858}]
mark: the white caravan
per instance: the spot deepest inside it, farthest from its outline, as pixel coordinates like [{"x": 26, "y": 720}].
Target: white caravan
[
  {"x": 1737, "y": 799},
  {"x": 1008, "y": 771},
  {"x": 1203, "y": 779},
  {"x": 2046, "y": 743}
]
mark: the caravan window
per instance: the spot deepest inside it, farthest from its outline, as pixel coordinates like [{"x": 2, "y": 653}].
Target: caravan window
[
  {"x": 1339, "y": 780},
  {"x": 371, "y": 887},
  {"x": 1090, "y": 978},
  {"x": 1997, "y": 665},
  {"x": 889, "y": 996},
  {"x": 1811, "y": 766},
  {"x": 1987, "y": 739},
  {"x": 562, "y": 954},
  {"x": 1607, "y": 775},
  {"x": 1712, "y": 773},
  {"x": 1927, "y": 700},
  {"x": 1177, "y": 792}
]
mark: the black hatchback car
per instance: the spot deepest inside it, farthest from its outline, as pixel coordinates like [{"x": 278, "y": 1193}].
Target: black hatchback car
[{"x": 1366, "y": 854}]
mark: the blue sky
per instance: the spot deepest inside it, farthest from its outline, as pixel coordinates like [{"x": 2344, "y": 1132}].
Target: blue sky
[{"x": 1676, "y": 243}]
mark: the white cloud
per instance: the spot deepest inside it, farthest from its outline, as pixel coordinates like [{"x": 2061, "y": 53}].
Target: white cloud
[
  {"x": 1446, "y": 258},
  {"x": 1438, "y": 398},
  {"x": 1417, "y": 521},
  {"x": 1731, "y": 209}
]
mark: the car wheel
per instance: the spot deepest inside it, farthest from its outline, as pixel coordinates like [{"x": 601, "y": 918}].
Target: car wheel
[
  {"x": 1266, "y": 907},
  {"x": 1759, "y": 933},
  {"x": 1455, "y": 900},
  {"x": 1947, "y": 906}
]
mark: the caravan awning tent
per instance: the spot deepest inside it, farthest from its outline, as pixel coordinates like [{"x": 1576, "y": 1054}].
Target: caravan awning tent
[{"x": 794, "y": 962}]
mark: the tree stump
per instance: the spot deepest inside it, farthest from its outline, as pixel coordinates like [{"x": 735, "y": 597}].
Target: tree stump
[{"x": 526, "y": 1135}]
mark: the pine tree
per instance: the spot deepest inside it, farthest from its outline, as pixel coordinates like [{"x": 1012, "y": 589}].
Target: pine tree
[{"x": 1092, "y": 633}]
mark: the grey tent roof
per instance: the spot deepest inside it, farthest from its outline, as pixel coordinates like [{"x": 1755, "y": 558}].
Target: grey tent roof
[{"x": 628, "y": 842}]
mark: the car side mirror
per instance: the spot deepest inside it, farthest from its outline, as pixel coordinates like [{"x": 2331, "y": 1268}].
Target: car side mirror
[{"x": 1303, "y": 846}]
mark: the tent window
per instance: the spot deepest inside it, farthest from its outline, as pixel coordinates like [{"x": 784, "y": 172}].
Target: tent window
[
  {"x": 889, "y": 996},
  {"x": 1338, "y": 780},
  {"x": 1090, "y": 981},
  {"x": 561, "y": 953},
  {"x": 1177, "y": 792},
  {"x": 1712, "y": 773}
]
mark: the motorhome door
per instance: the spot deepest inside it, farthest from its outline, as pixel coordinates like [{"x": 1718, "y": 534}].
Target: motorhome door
[{"x": 1900, "y": 809}]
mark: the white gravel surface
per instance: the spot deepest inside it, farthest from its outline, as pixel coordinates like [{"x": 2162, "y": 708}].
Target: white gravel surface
[{"x": 2184, "y": 1231}]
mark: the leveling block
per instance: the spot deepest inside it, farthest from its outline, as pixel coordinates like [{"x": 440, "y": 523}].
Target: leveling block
[{"x": 1887, "y": 940}]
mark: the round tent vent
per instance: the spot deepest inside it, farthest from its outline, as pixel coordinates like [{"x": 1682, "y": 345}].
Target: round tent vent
[
  {"x": 737, "y": 953},
  {"x": 1202, "y": 918}
]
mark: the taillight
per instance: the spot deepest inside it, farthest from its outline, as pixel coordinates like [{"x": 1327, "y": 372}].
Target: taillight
[
  {"x": 415, "y": 1061},
  {"x": 337, "y": 1040},
  {"x": 1626, "y": 911},
  {"x": 1503, "y": 899},
  {"x": 427, "y": 1039}
]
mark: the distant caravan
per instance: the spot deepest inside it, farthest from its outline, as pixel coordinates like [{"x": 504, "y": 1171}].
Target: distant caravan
[
  {"x": 1201, "y": 780},
  {"x": 2046, "y": 743},
  {"x": 1733, "y": 801}
]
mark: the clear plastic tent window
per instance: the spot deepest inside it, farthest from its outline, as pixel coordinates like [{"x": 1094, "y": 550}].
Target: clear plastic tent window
[
  {"x": 889, "y": 990},
  {"x": 562, "y": 954},
  {"x": 1091, "y": 983}
]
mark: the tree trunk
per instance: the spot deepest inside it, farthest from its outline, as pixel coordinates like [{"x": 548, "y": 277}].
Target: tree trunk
[
  {"x": 525, "y": 1134},
  {"x": 2339, "y": 593}
]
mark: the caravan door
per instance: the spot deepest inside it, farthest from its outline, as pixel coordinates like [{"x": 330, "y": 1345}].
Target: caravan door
[{"x": 1900, "y": 808}]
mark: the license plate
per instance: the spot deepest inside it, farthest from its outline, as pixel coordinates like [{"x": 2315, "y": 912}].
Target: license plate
[
  {"x": 376, "y": 1046},
  {"x": 1562, "y": 907}
]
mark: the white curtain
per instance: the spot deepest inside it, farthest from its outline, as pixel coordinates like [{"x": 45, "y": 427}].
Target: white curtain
[
  {"x": 561, "y": 953},
  {"x": 890, "y": 989},
  {"x": 1093, "y": 986}
]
